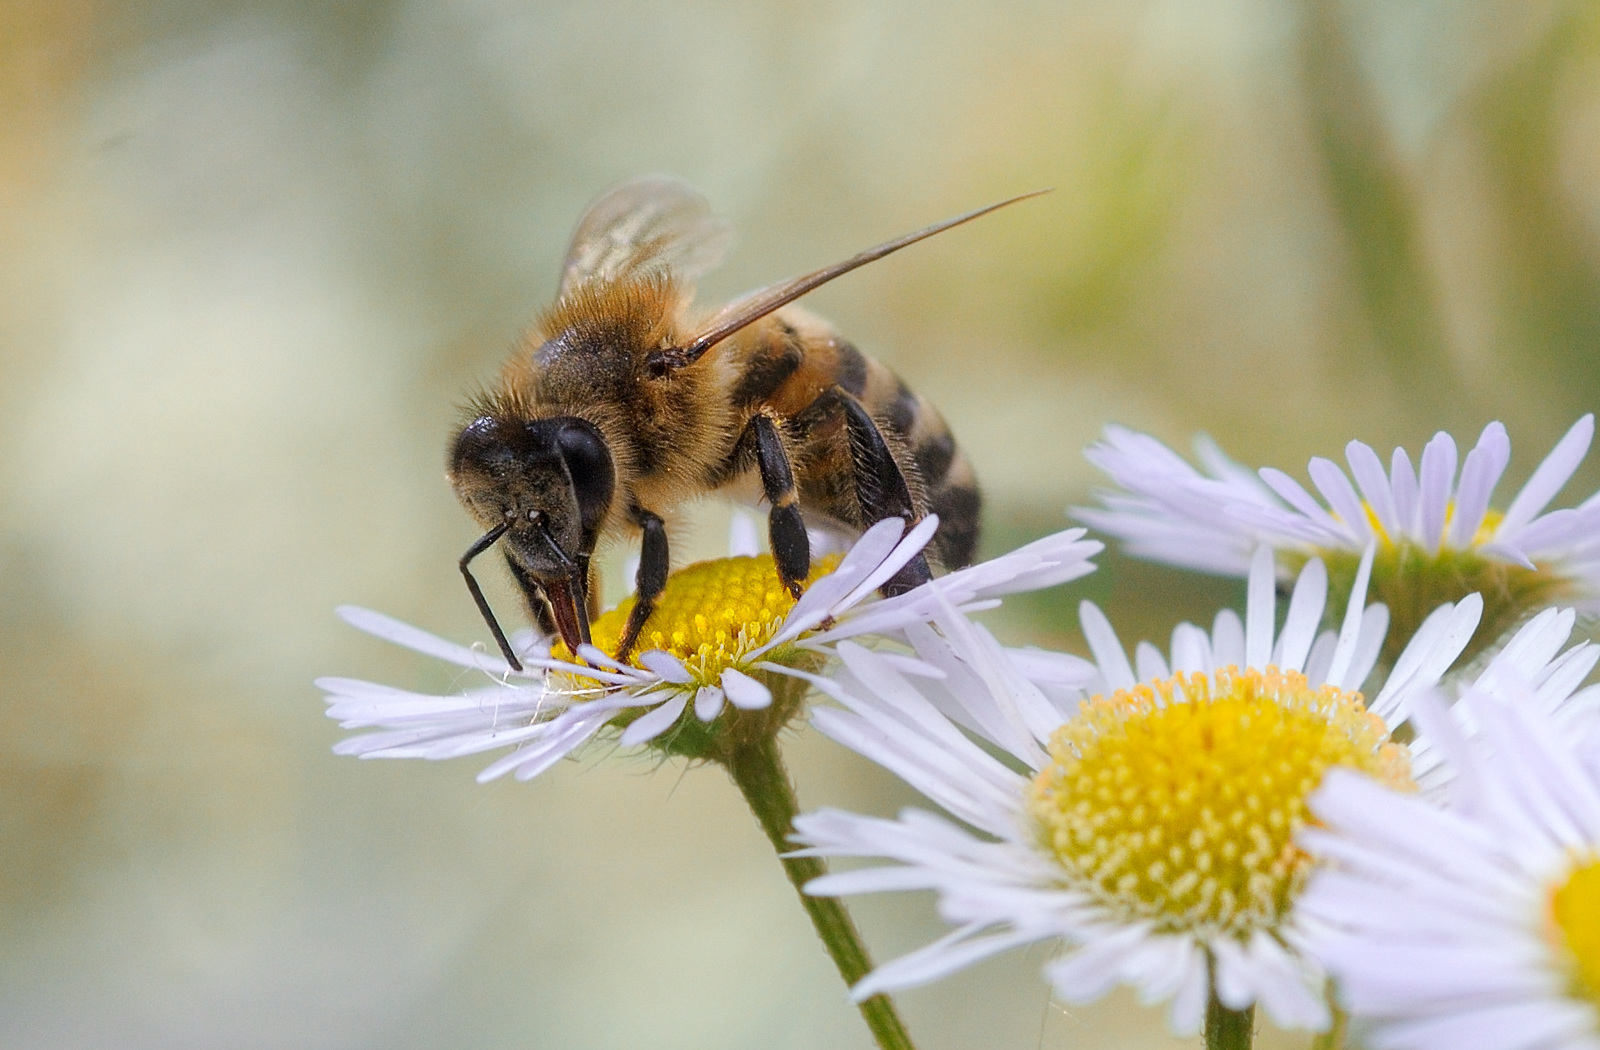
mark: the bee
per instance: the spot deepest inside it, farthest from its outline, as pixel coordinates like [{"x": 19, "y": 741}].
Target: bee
[{"x": 621, "y": 403}]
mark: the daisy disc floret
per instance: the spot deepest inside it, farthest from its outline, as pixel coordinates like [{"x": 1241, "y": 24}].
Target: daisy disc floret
[
  {"x": 1438, "y": 537},
  {"x": 1158, "y": 800},
  {"x": 715, "y": 665},
  {"x": 1476, "y": 923},
  {"x": 1151, "y": 825}
]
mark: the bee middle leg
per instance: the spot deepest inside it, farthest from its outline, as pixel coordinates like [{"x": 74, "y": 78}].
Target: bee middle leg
[
  {"x": 791, "y": 548},
  {"x": 650, "y": 581}
]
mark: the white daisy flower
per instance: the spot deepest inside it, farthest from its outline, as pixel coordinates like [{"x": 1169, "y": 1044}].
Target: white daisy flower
[
  {"x": 724, "y": 633},
  {"x": 1146, "y": 822},
  {"x": 1477, "y": 924},
  {"x": 1438, "y": 538}
]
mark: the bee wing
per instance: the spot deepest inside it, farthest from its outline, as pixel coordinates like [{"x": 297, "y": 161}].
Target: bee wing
[{"x": 652, "y": 223}]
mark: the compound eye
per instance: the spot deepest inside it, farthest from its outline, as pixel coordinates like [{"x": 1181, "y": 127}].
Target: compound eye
[
  {"x": 478, "y": 443},
  {"x": 589, "y": 464}
]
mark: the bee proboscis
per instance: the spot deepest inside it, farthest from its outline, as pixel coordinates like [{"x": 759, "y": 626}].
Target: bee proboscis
[{"x": 620, "y": 404}]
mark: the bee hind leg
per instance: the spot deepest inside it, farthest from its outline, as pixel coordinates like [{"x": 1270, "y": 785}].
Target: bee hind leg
[
  {"x": 878, "y": 487},
  {"x": 881, "y": 488},
  {"x": 650, "y": 581}
]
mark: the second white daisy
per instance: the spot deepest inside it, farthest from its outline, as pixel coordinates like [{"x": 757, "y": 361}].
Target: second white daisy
[{"x": 1151, "y": 827}]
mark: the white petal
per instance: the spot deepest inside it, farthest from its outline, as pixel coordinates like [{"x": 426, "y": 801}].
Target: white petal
[
  {"x": 743, "y": 539},
  {"x": 1296, "y": 496},
  {"x": 1546, "y": 481},
  {"x": 392, "y": 630},
  {"x": 1191, "y": 649},
  {"x": 1479, "y": 475},
  {"x": 943, "y": 957},
  {"x": 1043, "y": 667},
  {"x": 652, "y": 724},
  {"x": 1227, "y": 640},
  {"x": 1108, "y": 651},
  {"x": 1149, "y": 663},
  {"x": 707, "y": 702},
  {"x": 908, "y": 547},
  {"x": 1438, "y": 476},
  {"x": 1403, "y": 481},
  {"x": 665, "y": 666},
  {"x": 1261, "y": 609},
  {"x": 1369, "y": 643},
  {"x": 1305, "y": 612},
  {"x": 1375, "y": 487},
  {"x": 1350, "y": 630},
  {"x": 1321, "y": 658},
  {"x": 1341, "y": 496},
  {"x": 594, "y": 655},
  {"x": 745, "y": 692}
]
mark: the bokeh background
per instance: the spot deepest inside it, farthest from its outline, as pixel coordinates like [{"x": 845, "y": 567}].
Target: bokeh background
[{"x": 255, "y": 254}]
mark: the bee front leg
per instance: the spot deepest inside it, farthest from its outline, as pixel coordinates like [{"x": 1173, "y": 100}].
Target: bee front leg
[
  {"x": 791, "y": 548},
  {"x": 650, "y": 581}
]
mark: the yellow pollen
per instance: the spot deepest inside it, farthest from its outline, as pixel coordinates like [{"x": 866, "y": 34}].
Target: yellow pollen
[
  {"x": 1491, "y": 521},
  {"x": 1413, "y": 581},
  {"x": 711, "y": 614},
  {"x": 1176, "y": 802},
  {"x": 1575, "y": 913}
]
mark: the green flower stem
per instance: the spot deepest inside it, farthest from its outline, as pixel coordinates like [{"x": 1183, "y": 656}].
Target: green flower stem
[
  {"x": 1333, "y": 1038},
  {"x": 1228, "y": 1029},
  {"x": 758, "y": 769}
]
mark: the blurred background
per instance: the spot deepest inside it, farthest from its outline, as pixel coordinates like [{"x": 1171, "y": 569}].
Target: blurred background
[{"x": 255, "y": 254}]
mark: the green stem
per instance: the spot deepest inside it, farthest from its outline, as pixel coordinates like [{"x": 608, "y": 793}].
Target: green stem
[
  {"x": 1333, "y": 1038},
  {"x": 758, "y": 769},
  {"x": 1228, "y": 1029}
]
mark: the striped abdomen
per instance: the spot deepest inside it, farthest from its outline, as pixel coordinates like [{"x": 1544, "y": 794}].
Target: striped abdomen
[{"x": 790, "y": 363}]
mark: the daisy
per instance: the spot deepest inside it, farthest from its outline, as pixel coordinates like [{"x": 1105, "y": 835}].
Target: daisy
[
  {"x": 724, "y": 634},
  {"x": 1146, "y": 822},
  {"x": 1438, "y": 538},
  {"x": 1476, "y": 924}
]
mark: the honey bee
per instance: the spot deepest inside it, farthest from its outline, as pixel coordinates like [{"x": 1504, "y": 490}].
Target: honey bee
[{"x": 620, "y": 404}]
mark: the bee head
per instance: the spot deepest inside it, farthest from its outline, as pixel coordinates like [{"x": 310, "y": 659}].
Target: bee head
[{"x": 545, "y": 486}]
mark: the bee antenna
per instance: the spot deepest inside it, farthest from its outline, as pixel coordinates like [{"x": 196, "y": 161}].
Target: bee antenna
[
  {"x": 484, "y": 542},
  {"x": 757, "y": 305}
]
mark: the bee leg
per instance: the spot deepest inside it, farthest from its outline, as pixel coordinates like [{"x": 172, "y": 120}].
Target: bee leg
[
  {"x": 791, "y": 548},
  {"x": 651, "y": 580},
  {"x": 881, "y": 489},
  {"x": 538, "y": 604}
]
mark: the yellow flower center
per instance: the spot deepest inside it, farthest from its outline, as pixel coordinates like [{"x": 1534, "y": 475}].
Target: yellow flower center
[
  {"x": 1176, "y": 802},
  {"x": 1413, "y": 583},
  {"x": 1575, "y": 912},
  {"x": 711, "y": 615},
  {"x": 1491, "y": 521}
]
